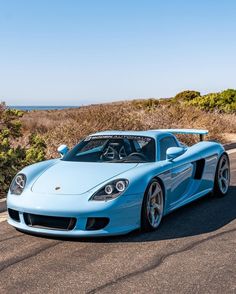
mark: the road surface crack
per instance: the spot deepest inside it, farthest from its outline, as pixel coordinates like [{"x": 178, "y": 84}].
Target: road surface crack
[
  {"x": 158, "y": 262},
  {"x": 12, "y": 237},
  {"x": 28, "y": 256}
]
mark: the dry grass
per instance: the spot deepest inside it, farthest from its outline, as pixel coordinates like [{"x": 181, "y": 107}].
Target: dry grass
[{"x": 70, "y": 125}]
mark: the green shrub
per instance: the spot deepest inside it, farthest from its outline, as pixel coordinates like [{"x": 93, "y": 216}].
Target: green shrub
[
  {"x": 224, "y": 101},
  {"x": 187, "y": 95},
  {"x": 148, "y": 104},
  {"x": 12, "y": 158}
]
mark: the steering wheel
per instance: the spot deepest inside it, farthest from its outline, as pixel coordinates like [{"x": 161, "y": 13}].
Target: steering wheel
[
  {"x": 109, "y": 154},
  {"x": 141, "y": 155}
]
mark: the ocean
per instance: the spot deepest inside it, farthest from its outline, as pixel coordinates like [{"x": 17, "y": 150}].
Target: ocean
[{"x": 31, "y": 108}]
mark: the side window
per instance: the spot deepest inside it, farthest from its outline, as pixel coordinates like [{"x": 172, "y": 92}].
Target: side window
[{"x": 166, "y": 143}]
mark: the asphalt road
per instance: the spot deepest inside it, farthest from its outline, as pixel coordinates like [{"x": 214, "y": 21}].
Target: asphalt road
[{"x": 194, "y": 251}]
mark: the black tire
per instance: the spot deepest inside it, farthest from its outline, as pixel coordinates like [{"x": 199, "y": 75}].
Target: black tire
[
  {"x": 220, "y": 190},
  {"x": 146, "y": 225}
]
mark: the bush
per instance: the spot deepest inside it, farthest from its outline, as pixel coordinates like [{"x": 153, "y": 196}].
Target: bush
[
  {"x": 224, "y": 101},
  {"x": 149, "y": 104},
  {"x": 12, "y": 159},
  {"x": 187, "y": 95}
]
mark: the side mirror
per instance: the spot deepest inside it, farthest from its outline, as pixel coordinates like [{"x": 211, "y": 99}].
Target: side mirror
[
  {"x": 174, "y": 152},
  {"x": 62, "y": 150}
]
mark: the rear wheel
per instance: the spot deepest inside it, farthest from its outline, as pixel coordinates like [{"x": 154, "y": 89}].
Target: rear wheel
[
  {"x": 153, "y": 206},
  {"x": 222, "y": 176}
]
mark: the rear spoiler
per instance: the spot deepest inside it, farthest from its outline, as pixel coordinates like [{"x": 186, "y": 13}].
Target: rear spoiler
[{"x": 201, "y": 133}]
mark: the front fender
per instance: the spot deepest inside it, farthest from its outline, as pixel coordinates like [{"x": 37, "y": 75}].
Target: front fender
[{"x": 33, "y": 171}]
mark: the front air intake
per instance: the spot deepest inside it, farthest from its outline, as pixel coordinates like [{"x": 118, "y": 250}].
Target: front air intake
[
  {"x": 96, "y": 223},
  {"x": 14, "y": 214},
  {"x": 49, "y": 222}
]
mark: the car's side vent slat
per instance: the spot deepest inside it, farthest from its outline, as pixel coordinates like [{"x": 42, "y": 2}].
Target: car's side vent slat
[{"x": 200, "y": 164}]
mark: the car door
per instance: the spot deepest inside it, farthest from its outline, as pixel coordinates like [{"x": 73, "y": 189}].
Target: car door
[
  {"x": 181, "y": 178},
  {"x": 181, "y": 173}
]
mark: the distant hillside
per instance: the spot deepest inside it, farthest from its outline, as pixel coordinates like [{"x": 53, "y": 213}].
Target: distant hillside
[
  {"x": 28, "y": 137},
  {"x": 187, "y": 109}
]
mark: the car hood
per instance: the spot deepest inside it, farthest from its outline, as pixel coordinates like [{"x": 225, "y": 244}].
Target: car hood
[{"x": 66, "y": 177}]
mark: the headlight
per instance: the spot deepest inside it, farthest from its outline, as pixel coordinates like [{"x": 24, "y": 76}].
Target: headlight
[
  {"x": 111, "y": 190},
  {"x": 18, "y": 184}
]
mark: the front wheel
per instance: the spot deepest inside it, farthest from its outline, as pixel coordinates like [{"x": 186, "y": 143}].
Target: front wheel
[
  {"x": 152, "y": 207},
  {"x": 222, "y": 176}
]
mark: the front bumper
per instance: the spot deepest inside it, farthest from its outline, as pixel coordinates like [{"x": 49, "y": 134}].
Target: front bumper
[{"x": 123, "y": 213}]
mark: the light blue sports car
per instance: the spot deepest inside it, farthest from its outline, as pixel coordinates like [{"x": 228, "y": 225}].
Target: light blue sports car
[{"x": 114, "y": 182}]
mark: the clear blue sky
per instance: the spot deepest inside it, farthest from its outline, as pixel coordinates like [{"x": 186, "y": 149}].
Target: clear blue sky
[{"x": 72, "y": 52}]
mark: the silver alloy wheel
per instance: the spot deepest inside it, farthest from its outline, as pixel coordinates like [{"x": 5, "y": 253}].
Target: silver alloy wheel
[
  {"x": 155, "y": 204},
  {"x": 223, "y": 174}
]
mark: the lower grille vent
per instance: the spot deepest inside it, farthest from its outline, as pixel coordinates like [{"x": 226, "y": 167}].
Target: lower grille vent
[{"x": 50, "y": 222}]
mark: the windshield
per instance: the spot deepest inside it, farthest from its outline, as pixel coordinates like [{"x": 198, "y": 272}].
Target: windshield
[{"x": 113, "y": 149}]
